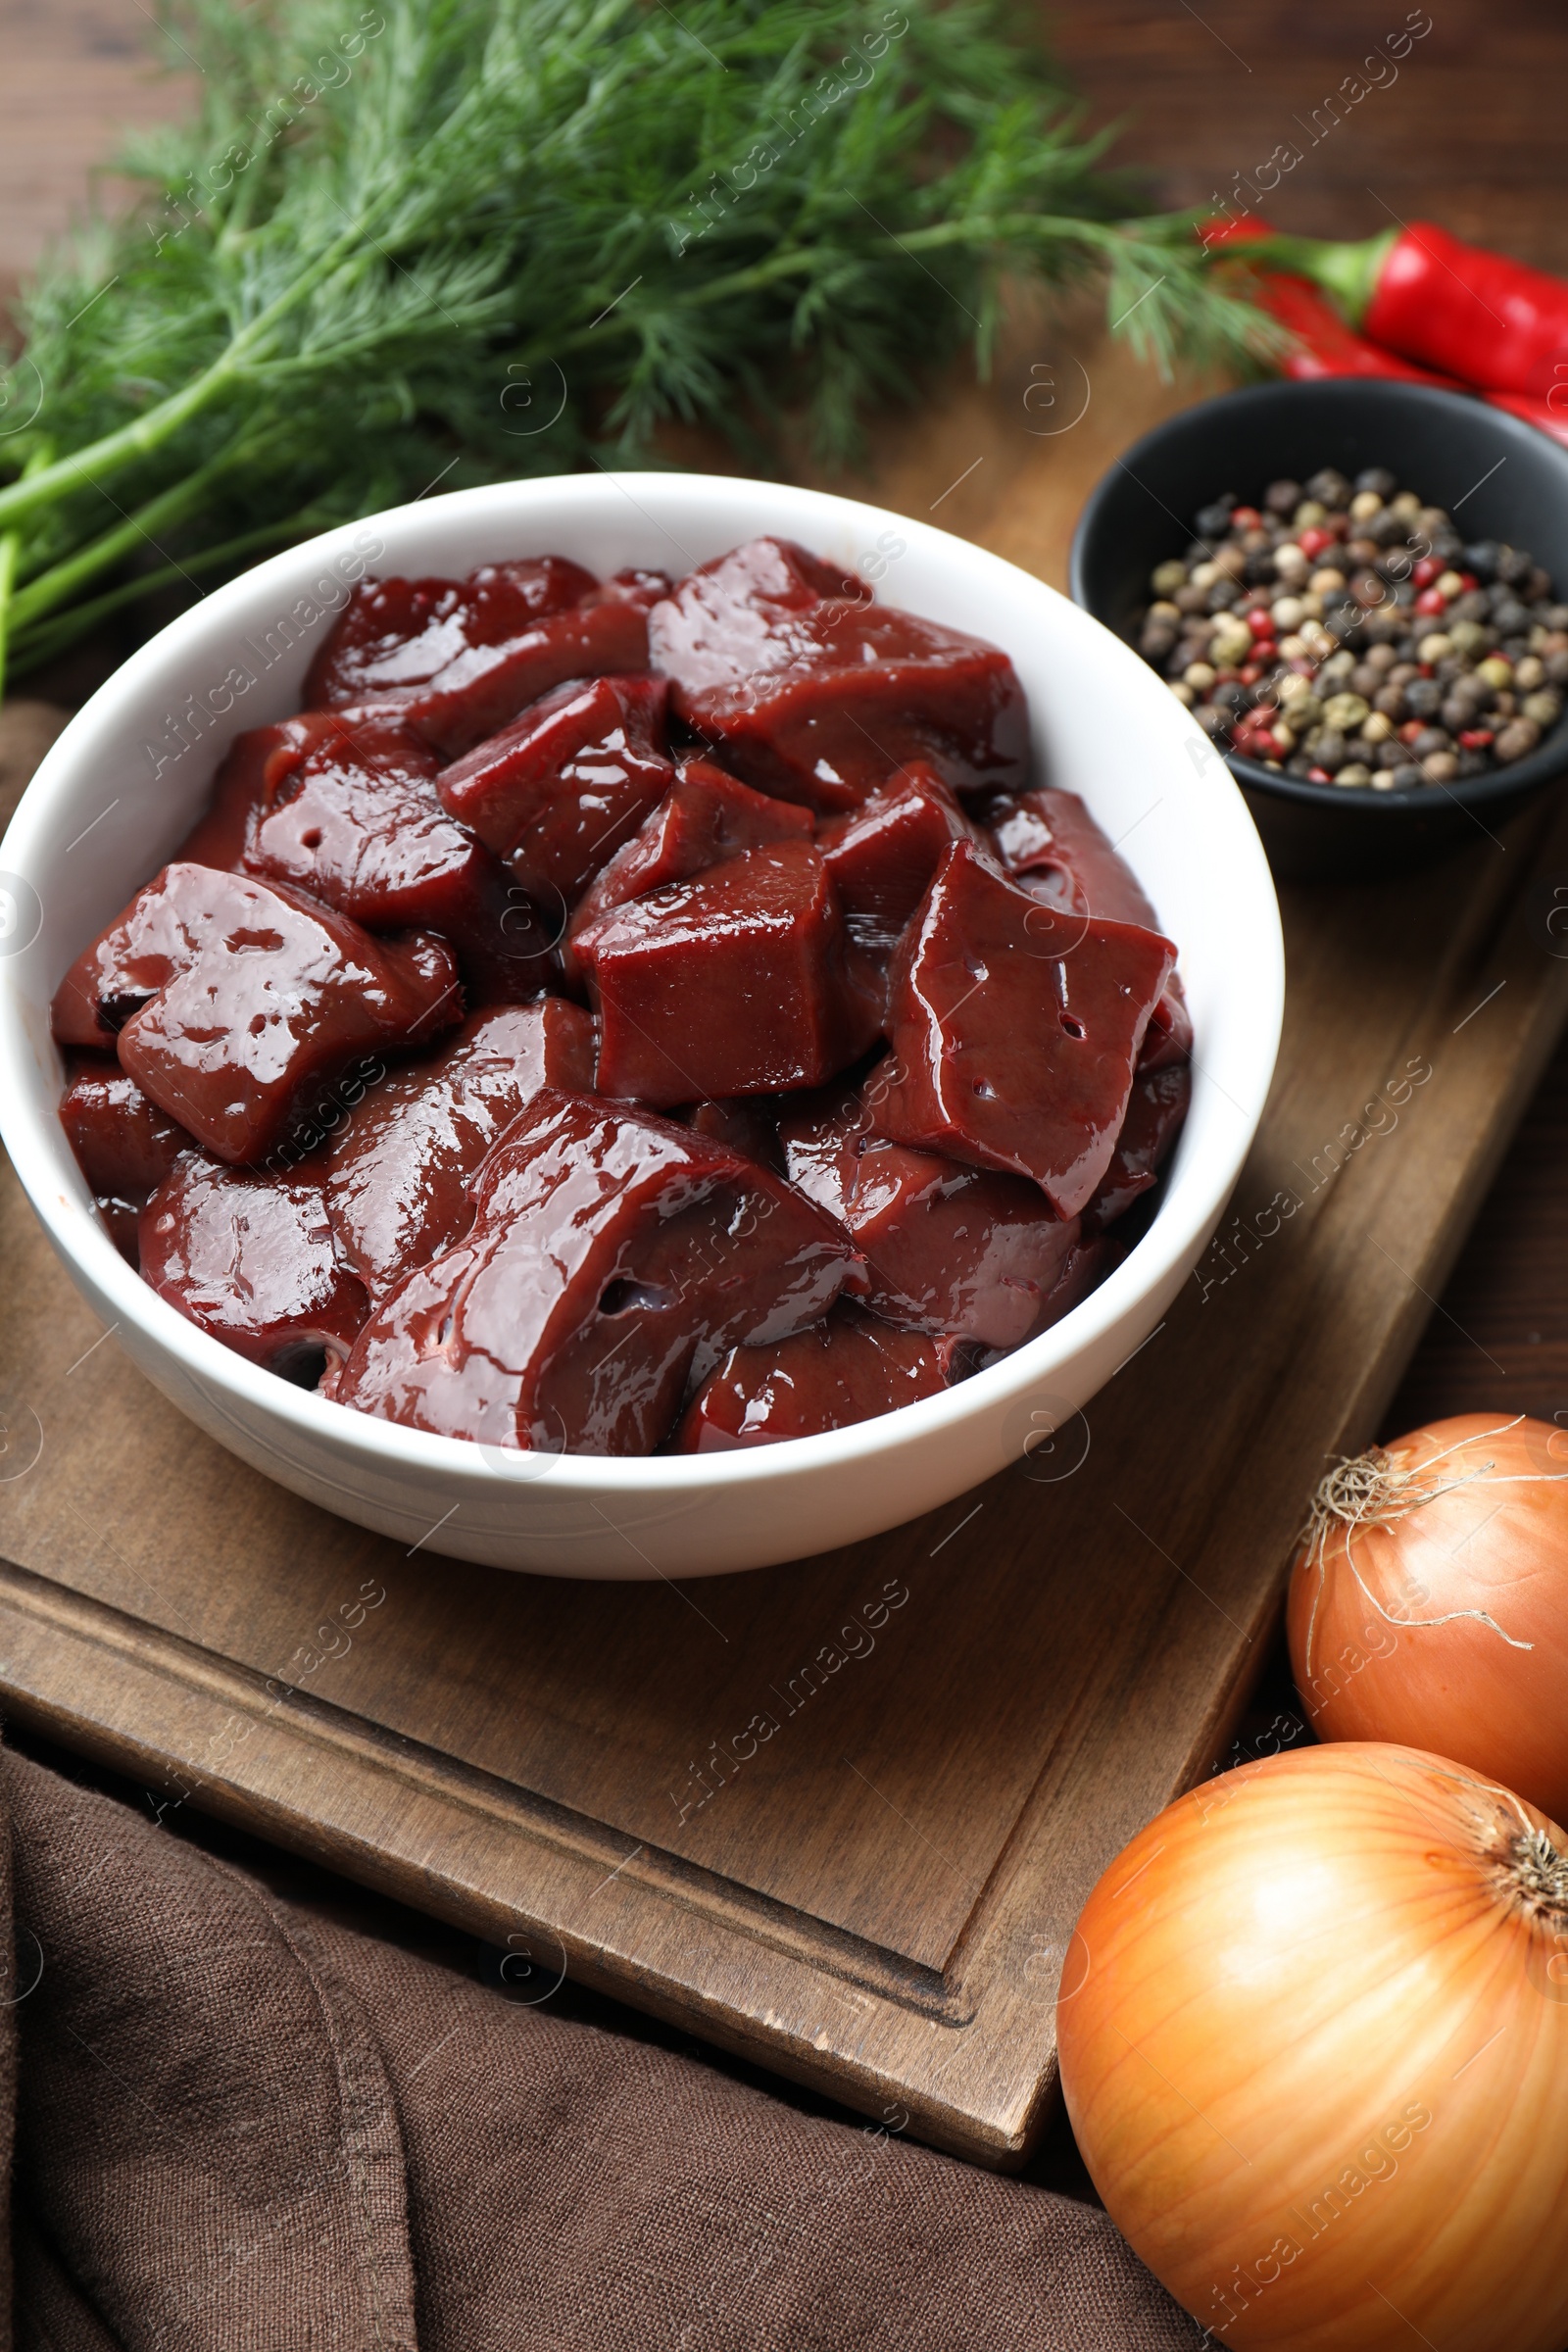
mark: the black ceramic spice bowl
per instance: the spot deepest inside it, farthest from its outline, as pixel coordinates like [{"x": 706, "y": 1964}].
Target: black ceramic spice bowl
[{"x": 1498, "y": 478}]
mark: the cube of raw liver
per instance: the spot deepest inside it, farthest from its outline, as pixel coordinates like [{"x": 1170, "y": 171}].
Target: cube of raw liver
[
  {"x": 464, "y": 656},
  {"x": 1051, "y": 836},
  {"x": 636, "y": 585},
  {"x": 561, "y": 789},
  {"x": 1154, "y": 1115},
  {"x": 613, "y": 1258},
  {"x": 883, "y": 855},
  {"x": 232, "y": 1002},
  {"x": 733, "y": 983},
  {"x": 707, "y": 817},
  {"x": 1168, "y": 1039},
  {"x": 123, "y": 1142},
  {"x": 1010, "y": 1054},
  {"x": 251, "y": 1261},
  {"x": 817, "y": 693},
  {"x": 396, "y": 1177},
  {"x": 750, "y": 1128},
  {"x": 397, "y": 634},
  {"x": 963, "y": 1252},
  {"x": 1053, "y": 847},
  {"x": 352, "y": 816},
  {"x": 223, "y": 832},
  {"x": 845, "y": 1369}
]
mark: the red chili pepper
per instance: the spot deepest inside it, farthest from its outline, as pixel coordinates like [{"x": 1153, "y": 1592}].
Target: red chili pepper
[
  {"x": 1323, "y": 346},
  {"x": 1494, "y": 322}
]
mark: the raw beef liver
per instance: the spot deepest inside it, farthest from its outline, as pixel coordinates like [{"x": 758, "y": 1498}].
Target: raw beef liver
[{"x": 613, "y": 1258}]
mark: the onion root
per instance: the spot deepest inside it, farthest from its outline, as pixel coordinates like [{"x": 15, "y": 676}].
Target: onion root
[{"x": 1376, "y": 1488}]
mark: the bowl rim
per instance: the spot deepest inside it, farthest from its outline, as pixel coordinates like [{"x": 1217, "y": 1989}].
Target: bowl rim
[
  {"x": 1183, "y": 1223},
  {"x": 1549, "y": 758}
]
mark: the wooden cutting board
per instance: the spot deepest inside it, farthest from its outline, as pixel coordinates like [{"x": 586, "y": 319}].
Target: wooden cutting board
[{"x": 838, "y": 1816}]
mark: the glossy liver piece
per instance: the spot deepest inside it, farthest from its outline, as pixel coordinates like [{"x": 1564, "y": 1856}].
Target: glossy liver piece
[
  {"x": 250, "y": 1260},
  {"x": 730, "y": 984},
  {"x": 123, "y": 1142},
  {"x": 613, "y": 1258},
  {"x": 1169, "y": 1038},
  {"x": 882, "y": 856},
  {"x": 846, "y": 1369},
  {"x": 1052, "y": 844},
  {"x": 1052, "y": 838},
  {"x": 1013, "y": 1055},
  {"x": 235, "y": 999},
  {"x": 1154, "y": 1114},
  {"x": 561, "y": 790},
  {"x": 705, "y": 818},
  {"x": 220, "y": 836},
  {"x": 464, "y": 656},
  {"x": 961, "y": 1252},
  {"x": 398, "y": 1177},
  {"x": 352, "y": 816},
  {"x": 746, "y": 1127},
  {"x": 819, "y": 697}
]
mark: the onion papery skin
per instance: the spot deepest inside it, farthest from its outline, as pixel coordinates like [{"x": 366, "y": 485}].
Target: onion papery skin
[
  {"x": 1371, "y": 1662},
  {"x": 1314, "y": 2048}
]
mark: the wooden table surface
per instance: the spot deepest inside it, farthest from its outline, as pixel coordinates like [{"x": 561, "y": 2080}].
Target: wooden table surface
[{"x": 1469, "y": 131}]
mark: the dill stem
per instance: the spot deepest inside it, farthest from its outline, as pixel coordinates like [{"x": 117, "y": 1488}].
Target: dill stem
[
  {"x": 10, "y": 557},
  {"x": 988, "y": 228},
  {"x": 9, "y": 544},
  {"x": 51, "y": 635},
  {"x": 145, "y": 435},
  {"x": 53, "y": 587}
]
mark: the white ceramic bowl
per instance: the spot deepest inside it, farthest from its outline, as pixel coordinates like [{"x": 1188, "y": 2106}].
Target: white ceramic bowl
[{"x": 131, "y": 772}]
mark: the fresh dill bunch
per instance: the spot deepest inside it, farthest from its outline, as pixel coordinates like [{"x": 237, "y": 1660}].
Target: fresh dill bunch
[{"x": 451, "y": 241}]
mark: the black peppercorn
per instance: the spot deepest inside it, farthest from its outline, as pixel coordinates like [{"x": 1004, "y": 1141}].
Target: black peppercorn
[{"x": 1330, "y": 488}]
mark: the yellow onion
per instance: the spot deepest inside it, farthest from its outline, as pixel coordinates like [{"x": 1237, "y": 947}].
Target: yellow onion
[
  {"x": 1429, "y": 1602},
  {"x": 1314, "y": 2028}
]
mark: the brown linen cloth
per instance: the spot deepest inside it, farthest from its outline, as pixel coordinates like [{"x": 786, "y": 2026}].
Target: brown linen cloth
[{"x": 242, "y": 2126}]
